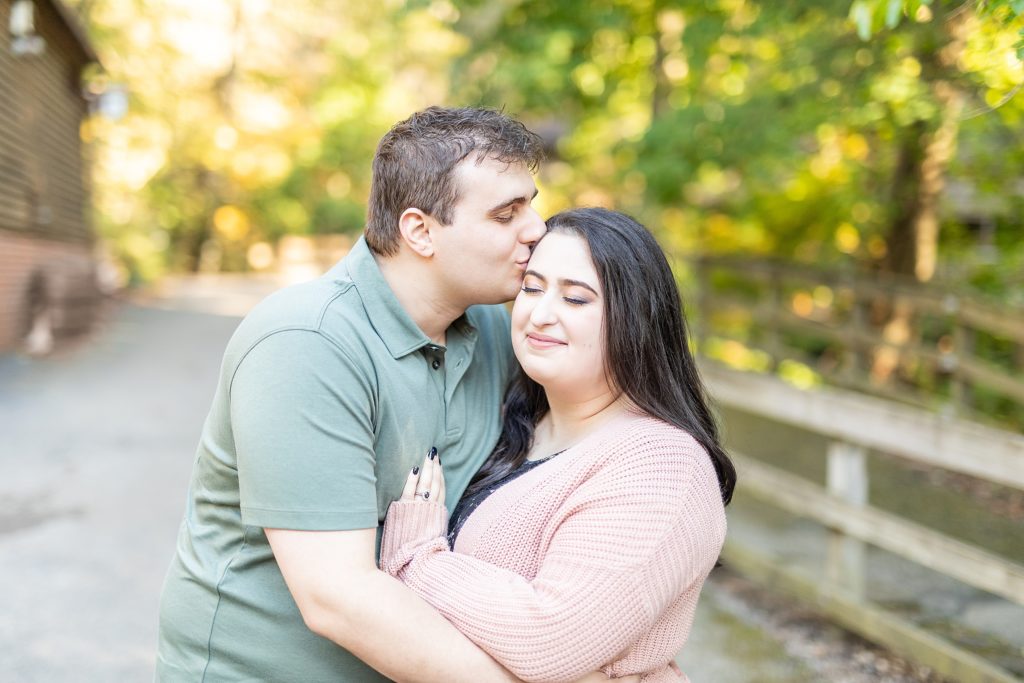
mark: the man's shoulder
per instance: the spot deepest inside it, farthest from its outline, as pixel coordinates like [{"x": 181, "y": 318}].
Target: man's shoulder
[{"x": 300, "y": 308}]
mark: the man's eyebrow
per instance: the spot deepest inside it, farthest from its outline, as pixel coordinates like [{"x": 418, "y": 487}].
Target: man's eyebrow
[
  {"x": 565, "y": 282},
  {"x": 515, "y": 200}
]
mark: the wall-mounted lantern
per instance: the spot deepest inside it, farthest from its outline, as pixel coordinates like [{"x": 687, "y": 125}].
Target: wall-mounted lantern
[
  {"x": 24, "y": 40},
  {"x": 112, "y": 103},
  {"x": 106, "y": 98}
]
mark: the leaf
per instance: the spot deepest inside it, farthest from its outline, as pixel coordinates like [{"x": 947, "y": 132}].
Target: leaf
[
  {"x": 893, "y": 10},
  {"x": 861, "y": 15}
]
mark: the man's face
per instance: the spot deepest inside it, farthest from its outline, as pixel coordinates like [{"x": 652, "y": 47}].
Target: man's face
[{"x": 483, "y": 253}]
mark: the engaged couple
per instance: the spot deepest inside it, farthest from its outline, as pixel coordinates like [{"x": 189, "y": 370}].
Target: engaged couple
[{"x": 398, "y": 480}]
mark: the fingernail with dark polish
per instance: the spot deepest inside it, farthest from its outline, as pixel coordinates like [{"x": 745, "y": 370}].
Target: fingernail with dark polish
[
  {"x": 426, "y": 495},
  {"x": 433, "y": 453},
  {"x": 416, "y": 470}
]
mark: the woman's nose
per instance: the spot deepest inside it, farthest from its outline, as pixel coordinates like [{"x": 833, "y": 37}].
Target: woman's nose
[{"x": 542, "y": 313}]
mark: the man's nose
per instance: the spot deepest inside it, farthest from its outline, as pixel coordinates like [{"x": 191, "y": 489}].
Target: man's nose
[{"x": 534, "y": 228}]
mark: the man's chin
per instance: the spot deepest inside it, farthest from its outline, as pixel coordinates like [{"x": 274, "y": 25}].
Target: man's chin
[
  {"x": 493, "y": 292},
  {"x": 498, "y": 297}
]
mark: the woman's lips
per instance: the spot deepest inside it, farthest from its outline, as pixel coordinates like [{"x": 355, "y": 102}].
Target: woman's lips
[{"x": 543, "y": 341}]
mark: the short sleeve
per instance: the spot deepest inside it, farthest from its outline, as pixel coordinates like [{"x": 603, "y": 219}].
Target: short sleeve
[{"x": 302, "y": 422}]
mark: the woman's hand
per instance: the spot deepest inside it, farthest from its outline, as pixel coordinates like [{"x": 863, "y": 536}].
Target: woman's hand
[
  {"x": 412, "y": 527},
  {"x": 426, "y": 482}
]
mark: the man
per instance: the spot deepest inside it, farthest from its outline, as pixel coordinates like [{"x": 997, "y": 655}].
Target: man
[{"x": 330, "y": 393}]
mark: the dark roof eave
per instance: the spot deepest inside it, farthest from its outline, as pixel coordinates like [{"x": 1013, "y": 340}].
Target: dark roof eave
[{"x": 75, "y": 27}]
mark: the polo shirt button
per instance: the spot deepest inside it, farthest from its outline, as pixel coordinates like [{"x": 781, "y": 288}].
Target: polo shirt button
[{"x": 436, "y": 364}]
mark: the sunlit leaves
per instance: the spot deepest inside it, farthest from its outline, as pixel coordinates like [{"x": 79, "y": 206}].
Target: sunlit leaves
[
  {"x": 871, "y": 16},
  {"x": 727, "y": 124},
  {"x": 260, "y": 107}
]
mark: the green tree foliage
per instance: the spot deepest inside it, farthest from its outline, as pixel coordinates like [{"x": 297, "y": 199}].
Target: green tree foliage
[
  {"x": 879, "y": 132},
  {"x": 249, "y": 119},
  {"x": 872, "y": 16},
  {"x": 774, "y": 127}
]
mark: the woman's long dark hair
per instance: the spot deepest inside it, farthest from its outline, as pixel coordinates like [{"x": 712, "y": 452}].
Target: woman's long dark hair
[{"x": 646, "y": 349}]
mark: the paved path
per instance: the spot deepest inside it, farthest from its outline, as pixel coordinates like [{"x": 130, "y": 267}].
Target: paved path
[
  {"x": 96, "y": 446},
  {"x": 95, "y": 456}
]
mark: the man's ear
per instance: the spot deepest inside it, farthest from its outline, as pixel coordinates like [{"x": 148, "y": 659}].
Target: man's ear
[{"x": 414, "y": 226}]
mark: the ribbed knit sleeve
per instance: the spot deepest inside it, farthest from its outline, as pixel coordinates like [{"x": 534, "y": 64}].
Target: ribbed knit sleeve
[
  {"x": 619, "y": 549},
  {"x": 411, "y": 528}
]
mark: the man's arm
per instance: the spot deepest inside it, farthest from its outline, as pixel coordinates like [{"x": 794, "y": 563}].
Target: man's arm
[
  {"x": 301, "y": 419},
  {"x": 344, "y": 597}
]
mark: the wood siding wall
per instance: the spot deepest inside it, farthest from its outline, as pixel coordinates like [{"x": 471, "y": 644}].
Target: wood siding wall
[
  {"x": 43, "y": 183},
  {"x": 45, "y": 235}
]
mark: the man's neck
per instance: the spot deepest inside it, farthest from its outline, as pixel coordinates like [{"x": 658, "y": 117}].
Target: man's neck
[{"x": 420, "y": 296}]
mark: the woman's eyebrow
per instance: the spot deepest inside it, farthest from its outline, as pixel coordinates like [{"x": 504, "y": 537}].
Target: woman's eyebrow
[{"x": 564, "y": 282}]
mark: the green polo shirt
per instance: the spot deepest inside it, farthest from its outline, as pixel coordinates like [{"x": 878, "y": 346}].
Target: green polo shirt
[{"x": 328, "y": 395}]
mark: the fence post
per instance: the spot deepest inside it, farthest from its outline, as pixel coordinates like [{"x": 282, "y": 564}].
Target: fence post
[
  {"x": 963, "y": 351},
  {"x": 847, "y": 479}
]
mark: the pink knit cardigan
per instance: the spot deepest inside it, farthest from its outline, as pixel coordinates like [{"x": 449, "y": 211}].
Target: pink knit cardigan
[{"x": 592, "y": 560}]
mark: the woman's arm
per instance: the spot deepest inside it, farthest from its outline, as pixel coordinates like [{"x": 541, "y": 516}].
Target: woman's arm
[{"x": 630, "y": 539}]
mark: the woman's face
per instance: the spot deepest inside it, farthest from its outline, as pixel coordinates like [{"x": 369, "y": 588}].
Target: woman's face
[{"x": 558, "y": 319}]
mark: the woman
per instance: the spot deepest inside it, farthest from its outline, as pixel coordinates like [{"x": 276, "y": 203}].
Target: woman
[{"x": 584, "y": 540}]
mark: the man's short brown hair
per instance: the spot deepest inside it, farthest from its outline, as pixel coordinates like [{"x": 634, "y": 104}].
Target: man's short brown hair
[{"x": 415, "y": 164}]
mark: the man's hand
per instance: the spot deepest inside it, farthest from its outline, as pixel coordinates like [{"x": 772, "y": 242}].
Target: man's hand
[
  {"x": 343, "y": 597},
  {"x": 600, "y": 677},
  {"x": 333, "y": 577}
]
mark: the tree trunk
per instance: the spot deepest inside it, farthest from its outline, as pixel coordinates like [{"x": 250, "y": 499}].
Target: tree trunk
[
  {"x": 925, "y": 151},
  {"x": 938, "y": 153},
  {"x": 902, "y": 243}
]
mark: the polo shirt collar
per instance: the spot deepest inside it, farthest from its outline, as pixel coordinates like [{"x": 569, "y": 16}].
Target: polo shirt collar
[{"x": 393, "y": 325}]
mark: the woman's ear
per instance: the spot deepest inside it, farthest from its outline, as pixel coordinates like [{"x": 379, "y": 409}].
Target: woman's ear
[{"x": 414, "y": 226}]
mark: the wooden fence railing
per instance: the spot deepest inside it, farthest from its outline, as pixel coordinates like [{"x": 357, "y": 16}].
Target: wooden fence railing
[
  {"x": 855, "y": 423},
  {"x": 919, "y": 344}
]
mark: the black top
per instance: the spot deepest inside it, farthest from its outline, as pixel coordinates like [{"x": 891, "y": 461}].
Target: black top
[{"x": 468, "y": 505}]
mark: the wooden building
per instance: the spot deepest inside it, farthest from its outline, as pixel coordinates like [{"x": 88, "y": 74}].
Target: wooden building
[{"x": 47, "y": 267}]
